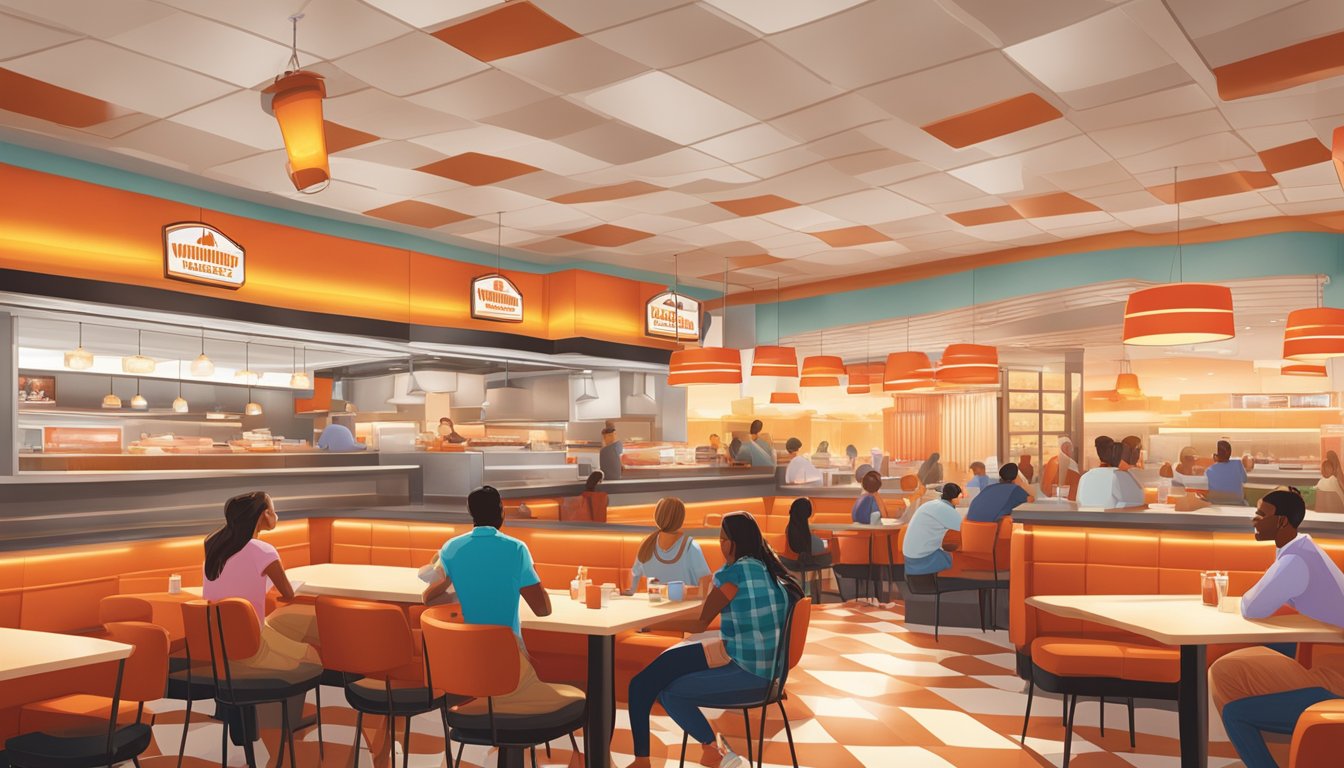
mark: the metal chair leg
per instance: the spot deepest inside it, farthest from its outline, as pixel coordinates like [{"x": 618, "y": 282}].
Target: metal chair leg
[
  {"x": 746, "y": 721},
  {"x": 937, "y": 613},
  {"x": 223, "y": 742},
  {"x": 1068, "y": 730},
  {"x": 534, "y": 758},
  {"x": 1031, "y": 692},
  {"x": 1131, "y": 724},
  {"x": 682, "y": 762},
  {"x": 321, "y": 746},
  {"x": 788, "y": 731},
  {"x": 760, "y": 739},
  {"x": 1101, "y": 714},
  {"x": 406, "y": 744},
  {"x": 980, "y": 595},
  {"x": 293, "y": 753},
  {"x": 182, "y": 747},
  {"x": 359, "y": 731}
]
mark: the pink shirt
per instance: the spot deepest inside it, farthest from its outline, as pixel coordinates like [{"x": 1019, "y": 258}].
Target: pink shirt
[{"x": 244, "y": 576}]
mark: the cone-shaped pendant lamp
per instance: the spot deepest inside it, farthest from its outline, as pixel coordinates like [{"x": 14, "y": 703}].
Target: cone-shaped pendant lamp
[
  {"x": 1127, "y": 385},
  {"x": 110, "y": 400},
  {"x": 706, "y": 365},
  {"x": 1315, "y": 334},
  {"x": 298, "y": 378},
  {"x": 1304, "y": 369},
  {"x": 775, "y": 360},
  {"x": 822, "y": 370},
  {"x": 180, "y": 403},
  {"x": 907, "y": 371},
  {"x": 137, "y": 363},
  {"x": 972, "y": 363}
]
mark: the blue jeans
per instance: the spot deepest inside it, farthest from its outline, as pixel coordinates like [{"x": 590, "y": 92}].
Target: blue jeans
[
  {"x": 1247, "y": 719},
  {"x": 935, "y": 562},
  {"x": 682, "y": 682}
]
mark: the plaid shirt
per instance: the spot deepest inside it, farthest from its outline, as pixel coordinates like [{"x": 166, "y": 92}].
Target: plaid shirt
[{"x": 751, "y": 622}]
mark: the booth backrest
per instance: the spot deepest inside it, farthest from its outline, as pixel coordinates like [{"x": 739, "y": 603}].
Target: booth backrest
[
  {"x": 1050, "y": 560},
  {"x": 696, "y": 511}
]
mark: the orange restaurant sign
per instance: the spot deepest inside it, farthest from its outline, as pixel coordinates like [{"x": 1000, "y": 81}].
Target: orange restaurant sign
[
  {"x": 671, "y": 316},
  {"x": 199, "y": 253},
  {"x": 495, "y": 297}
]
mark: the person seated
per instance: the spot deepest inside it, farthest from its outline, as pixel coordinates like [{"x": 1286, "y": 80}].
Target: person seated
[
  {"x": 449, "y": 432},
  {"x": 1188, "y": 464},
  {"x": 999, "y": 499},
  {"x": 931, "y": 471},
  {"x": 1227, "y": 478},
  {"x": 1061, "y": 469},
  {"x": 737, "y": 452},
  {"x": 1329, "y": 495},
  {"x": 800, "y": 470},
  {"x": 752, "y": 593},
  {"x": 669, "y": 554},
  {"x": 1259, "y": 690},
  {"x": 755, "y": 450},
  {"x": 809, "y": 548},
  {"x": 924, "y": 549},
  {"x": 609, "y": 455},
  {"x": 490, "y": 572},
  {"x": 1131, "y": 453},
  {"x": 979, "y": 480},
  {"x": 867, "y": 508},
  {"x": 588, "y": 506},
  {"x": 1107, "y": 486},
  {"x": 822, "y": 456},
  {"x": 338, "y": 438},
  {"x": 851, "y": 455},
  {"x": 1025, "y": 470}
]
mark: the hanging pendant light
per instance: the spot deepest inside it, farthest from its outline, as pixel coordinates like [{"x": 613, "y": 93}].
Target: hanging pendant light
[
  {"x": 1315, "y": 334},
  {"x": 864, "y": 376},
  {"x": 707, "y": 365},
  {"x": 1126, "y": 381},
  {"x": 822, "y": 370},
  {"x": 299, "y": 378},
  {"x": 972, "y": 363},
  {"x": 247, "y": 375},
  {"x": 775, "y": 360},
  {"x": 1304, "y": 369},
  {"x": 1179, "y": 313},
  {"x": 137, "y": 363},
  {"x": 784, "y": 398},
  {"x": 202, "y": 366},
  {"x": 79, "y": 359},
  {"x": 252, "y": 408},
  {"x": 908, "y": 371},
  {"x": 180, "y": 402},
  {"x": 110, "y": 400},
  {"x": 295, "y": 100},
  {"x": 139, "y": 402}
]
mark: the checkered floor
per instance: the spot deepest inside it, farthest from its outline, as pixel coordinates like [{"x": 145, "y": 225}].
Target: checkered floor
[{"x": 870, "y": 691}]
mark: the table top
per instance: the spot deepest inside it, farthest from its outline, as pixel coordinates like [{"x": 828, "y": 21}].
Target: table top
[
  {"x": 34, "y": 653},
  {"x": 396, "y": 584},
  {"x": 888, "y": 526},
  {"x": 1185, "y": 620}
]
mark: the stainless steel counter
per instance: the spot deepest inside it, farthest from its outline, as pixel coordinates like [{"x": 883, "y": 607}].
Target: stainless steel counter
[{"x": 1223, "y": 518}]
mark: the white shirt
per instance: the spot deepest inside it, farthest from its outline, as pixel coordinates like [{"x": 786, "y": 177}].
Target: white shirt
[
  {"x": 1109, "y": 488},
  {"x": 1302, "y": 576},
  {"x": 924, "y": 534},
  {"x": 801, "y": 471}
]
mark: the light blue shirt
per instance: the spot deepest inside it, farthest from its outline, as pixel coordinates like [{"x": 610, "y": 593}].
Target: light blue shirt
[
  {"x": 1109, "y": 488},
  {"x": 1302, "y": 576},
  {"x": 666, "y": 567},
  {"x": 978, "y": 481},
  {"x": 756, "y": 454},
  {"x": 488, "y": 569},
  {"x": 924, "y": 534},
  {"x": 1226, "y": 477},
  {"x": 337, "y": 437}
]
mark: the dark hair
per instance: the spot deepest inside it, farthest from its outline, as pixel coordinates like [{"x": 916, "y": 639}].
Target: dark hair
[
  {"x": 793, "y": 444},
  {"x": 1288, "y": 504},
  {"x": 1131, "y": 448},
  {"x": 1224, "y": 449},
  {"x": 485, "y": 506},
  {"x": 756, "y": 427},
  {"x": 734, "y": 448},
  {"x": 241, "y": 514},
  {"x": 977, "y": 464},
  {"x": 742, "y": 530},
  {"x": 951, "y": 491},
  {"x": 872, "y": 481},
  {"x": 714, "y": 434},
  {"x": 798, "y": 534},
  {"x": 593, "y": 479},
  {"x": 1008, "y": 472},
  {"x": 851, "y": 451},
  {"x": 1105, "y": 451},
  {"x": 445, "y": 418}
]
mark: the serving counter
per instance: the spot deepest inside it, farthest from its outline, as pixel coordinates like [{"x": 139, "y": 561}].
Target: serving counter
[{"x": 1221, "y": 518}]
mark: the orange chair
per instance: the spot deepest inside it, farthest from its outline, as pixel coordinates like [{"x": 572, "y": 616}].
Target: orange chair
[
  {"x": 481, "y": 661},
  {"x": 979, "y": 551},
  {"x": 141, "y": 677},
  {"x": 229, "y": 632},
  {"x": 1318, "y": 736},
  {"x": 373, "y": 641}
]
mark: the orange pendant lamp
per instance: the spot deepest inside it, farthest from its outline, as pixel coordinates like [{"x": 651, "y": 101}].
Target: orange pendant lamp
[
  {"x": 1127, "y": 385},
  {"x": 705, "y": 365},
  {"x": 1312, "y": 335},
  {"x": 296, "y": 102},
  {"x": 862, "y": 378},
  {"x": 775, "y": 360},
  {"x": 1179, "y": 313},
  {"x": 784, "y": 398},
  {"x": 907, "y": 371},
  {"x": 822, "y": 370},
  {"x": 1303, "y": 369},
  {"x": 969, "y": 364}
]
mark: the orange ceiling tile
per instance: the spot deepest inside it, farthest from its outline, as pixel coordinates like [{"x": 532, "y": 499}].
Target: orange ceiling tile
[
  {"x": 1057, "y": 204},
  {"x": 1281, "y": 69},
  {"x": 755, "y": 206},
  {"x": 1213, "y": 186},
  {"x": 340, "y": 137},
  {"x": 978, "y": 216},
  {"x": 477, "y": 169},
  {"x": 607, "y": 236},
  {"x": 842, "y": 238},
  {"x": 993, "y": 120},
  {"x": 1295, "y": 155},
  {"x": 613, "y": 192},
  {"x": 35, "y": 98},
  {"x": 417, "y": 214},
  {"x": 513, "y": 28}
]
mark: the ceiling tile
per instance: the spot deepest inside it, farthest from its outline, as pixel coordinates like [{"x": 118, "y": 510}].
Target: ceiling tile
[
  {"x": 613, "y": 192},
  {"x": 849, "y": 236},
  {"x": 237, "y": 116},
  {"x": 1056, "y": 204},
  {"x": 1153, "y": 134},
  {"x": 1011, "y": 24},
  {"x": 839, "y": 114},
  {"x": 1295, "y": 155},
  {"x": 484, "y": 201},
  {"x": 936, "y": 188},
  {"x": 747, "y": 228},
  {"x": 746, "y": 144},
  {"x": 103, "y": 18},
  {"x": 1171, "y": 102},
  {"x": 398, "y": 154},
  {"x": 35, "y": 98},
  {"x": 771, "y": 16},
  {"x": 549, "y": 118},
  {"x": 340, "y": 138},
  {"x": 993, "y": 120},
  {"x": 112, "y": 74},
  {"x": 381, "y": 114},
  {"x": 617, "y": 143},
  {"x": 980, "y": 216},
  {"x": 188, "y": 147},
  {"x": 508, "y": 30},
  {"x": 755, "y": 206},
  {"x": 1210, "y": 186},
  {"x": 607, "y": 236},
  {"x": 333, "y": 28},
  {"x": 871, "y": 206},
  {"x": 1104, "y": 48},
  {"x": 416, "y": 214},
  {"x": 401, "y": 182},
  {"x": 477, "y": 169},
  {"x": 757, "y": 79},
  {"x": 19, "y": 36},
  {"x": 779, "y": 163},
  {"x": 208, "y": 47},
  {"x": 421, "y": 14},
  {"x": 487, "y": 93},
  {"x": 803, "y": 218},
  {"x": 588, "y": 16},
  {"x": 577, "y": 65},
  {"x": 665, "y": 106},
  {"x": 387, "y": 66},
  {"x": 674, "y": 37},
  {"x": 264, "y": 171}
]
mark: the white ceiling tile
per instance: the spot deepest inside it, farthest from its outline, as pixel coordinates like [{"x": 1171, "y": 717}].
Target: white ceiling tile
[
  {"x": 552, "y": 218},
  {"x": 345, "y": 196},
  {"x": 387, "y": 66},
  {"x": 1201, "y": 19},
  {"x": 485, "y": 139},
  {"x": 1029, "y": 138},
  {"x": 1143, "y": 137},
  {"x": 1154, "y": 106},
  {"x": 1011, "y": 23},
  {"x": 101, "y": 18},
  {"x": 401, "y": 182},
  {"x": 665, "y": 106},
  {"x": 1127, "y": 201},
  {"x": 649, "y": 222},
  {"x": 552, "y": 157},
  {"x": 747, "y": 228},
  {"x": 839, "y": 114},
  {"x": 804, "y": 218},
  {"x": 430, "y": 13},
  {"x": 936, "y": 188},
  {"x": 1003, "y": 231},
  {"x": 1218, "y": 147},
  {"x": 674, "y": 37},
  {"x": 1000, "y": 176},
  {"x": 333, "y": 28},
  {"x": 1115, "y": 47},
  {"x": 388, "y": 117},
  {"x": 18, "y": 37},
  {"x": 616, "y": 142},
  {"x": 1308, "y": 176},
  {"x": 265, "y": 171},
  {"x": 237, "y": 116},
  {"x": 701, "y": 235},
  {"x": 757, "y": 79},
  {"x": 1143, "y": 217},
  {"x": 1322, "y": 192},
  {"x": 113, "y": 74},
  {"x": 187, "y": 147},
  {"x": 1273, "y": 30},
  {"x": 747, "y": 143},
  {"x": 871, "y": 206},
  {"x": 878, "y": 41},
  {"x": 487, "y": 93},
  {"x": 208, "y": 47},
  {"x": 399, "y": 154},
  {"x": 666, "y": 201},
  {"x": 771, "y": 16},
  {"x": 1307, "y": 208},
  {"x": 571, "y": 66},
  {"x": 1270, "y": 136},
  {"x": 479, "y": 201},
  {"x": 1065, "y": 221},
  {"x": 781, "y": 162},
  {"x": 905, "y": 138},
  {"x": 268, "y": 18},
  {"x": 933, "y": 94},
  {"x": 586, "y": 16},
  {"x": 1247, "y": 214}
]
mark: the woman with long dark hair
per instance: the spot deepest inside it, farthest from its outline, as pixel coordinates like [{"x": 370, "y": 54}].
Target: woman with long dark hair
[
  {"x": 798, "y": 533},
  {"x": 239, "y": 564},
  {"x": 752, "y": 592}
]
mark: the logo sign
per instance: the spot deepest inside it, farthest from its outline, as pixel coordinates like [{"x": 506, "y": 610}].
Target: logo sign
[
  {"x": 495, "y": 297},
  {"x": 199, "y": 253},
  {"x": 672, "y": 316}
]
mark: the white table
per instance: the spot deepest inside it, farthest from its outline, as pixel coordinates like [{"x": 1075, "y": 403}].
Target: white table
[
  {"x": 1183, "y": 620},
  {"x": 33, "y": 653},
  {"x": 396, "y": 584}
]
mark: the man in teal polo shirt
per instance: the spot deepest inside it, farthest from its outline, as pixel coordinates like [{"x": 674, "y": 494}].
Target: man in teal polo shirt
[{"x": 490, "y": 571}]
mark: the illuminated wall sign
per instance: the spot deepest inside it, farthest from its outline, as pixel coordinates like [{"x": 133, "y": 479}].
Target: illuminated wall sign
[
  {"x": 495, "y": 297},
  {"x": 671, "y": 316},
  {"x": 199, "y": 253}
]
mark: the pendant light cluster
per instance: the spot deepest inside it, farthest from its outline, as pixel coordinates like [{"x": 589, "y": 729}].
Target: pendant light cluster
[
  {"x": 968, "y": 364},
  {"x": 295, "y": 100},
  {"x": 706, "y": 365},
  {"x": 776, "y": 360},
  {"x": 822, "y": 370},
  {"x": 907, "y": 371}
]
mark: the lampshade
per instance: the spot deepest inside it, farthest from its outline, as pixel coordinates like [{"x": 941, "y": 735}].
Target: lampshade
[
  {"x": 139, "y": 402},
  {"x": 705, "y": 365},
  {"x": 822, "y": 371},
  {"x": 1337, "y": 152},
  {"x": 1179, "y": 313},
  {"x": 775, "y": 361},
  {"x": 79, "y": 359},
  {"x": 906, "y": 371},
  {"x": 862, "y": 377},
  {"x": 1127, "y": 385},
  {"x": 1314, "y": 334},
  {"x": 300, "y": 380},
  {"x": 784, "y": 398},
  {"x": 1303, "y": 369},
  {"x": 248, "y": 377},
  {"x": 296, "y": 103},
  {"x": 110, "y": 400},
  {"x": 969, "y": 364},
  {"x": 137, "y": 364},
  {"x": 180, "y": 405},
  {"x": 252, "y": 409},
  {"x": 202, "y": 366}
]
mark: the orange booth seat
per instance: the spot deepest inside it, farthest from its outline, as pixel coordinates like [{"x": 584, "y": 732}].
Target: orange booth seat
[{"x": 696, "y": 511}]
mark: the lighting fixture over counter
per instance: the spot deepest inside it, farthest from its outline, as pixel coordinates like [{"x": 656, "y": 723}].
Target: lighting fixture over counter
[
  {"x": 79, "y": 359},
  {"x": 137, "y": 363},
  {"x": 295, "y": 100}
]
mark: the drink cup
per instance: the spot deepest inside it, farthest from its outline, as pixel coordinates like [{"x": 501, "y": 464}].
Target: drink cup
[
  {"x": 593, "y": 596},
  {"x": 175, "y": 584},
  {"x": 676, "y": 591}
]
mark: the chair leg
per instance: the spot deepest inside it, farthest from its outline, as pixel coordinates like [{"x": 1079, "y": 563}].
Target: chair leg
[
  {"x": 359, "y": 731},
  {"x": 1031, "y": 692},
  {"x": 284, "y": 731},
  {"x": 746, "y": 721},
  {"x": 1101, "y": 715},
  {"x": 1068, "y": 730},
  {"x": 321, "y": 746},
  {"x": 182, "y": 747},
  {"x": 1131, "y": 724},
  {"x": 289, "y": 736},
  {"x": 406, "y": 745},
  {"x": 788, "y": 731},
  {"x": 760, "y": 739},
  {"x": 937, "y": 613},
  {"x": 682, "y": 762},
  {"x": 223, "y": 741},
  {"x": 534, "y": 758},
  {"x": 980, "y": 595}
]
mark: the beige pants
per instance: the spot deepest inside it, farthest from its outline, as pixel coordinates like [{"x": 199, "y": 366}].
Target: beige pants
[
  {"x": 1260, "y": 671},
  {"x": 532, "y": 696},
  {"x": 286, "y": 640}
]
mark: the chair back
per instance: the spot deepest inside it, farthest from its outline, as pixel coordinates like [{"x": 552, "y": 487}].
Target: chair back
[
  {"x": 978, "y": 539},
  {"x": 145, "y": 677},
  {"x": 784, "y": 657},
  {"x": 477, "y": 660},
  {"x": 797, "y": 634},
  {"x": 237, "y": 628},
  {"x": 221, "y": 631},
  {"x": 363, "y": 638},
  {"x": 115, "y": 608}
]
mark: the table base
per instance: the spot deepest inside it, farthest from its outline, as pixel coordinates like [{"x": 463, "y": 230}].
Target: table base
[
  {"x": 601, "y": 719},
  {"x": 1193, "y": 707}
]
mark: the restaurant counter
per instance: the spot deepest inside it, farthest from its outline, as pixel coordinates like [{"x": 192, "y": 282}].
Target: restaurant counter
[
  {"x": 126, "y": 462},
  {"x": 1222, "y": 518}
]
